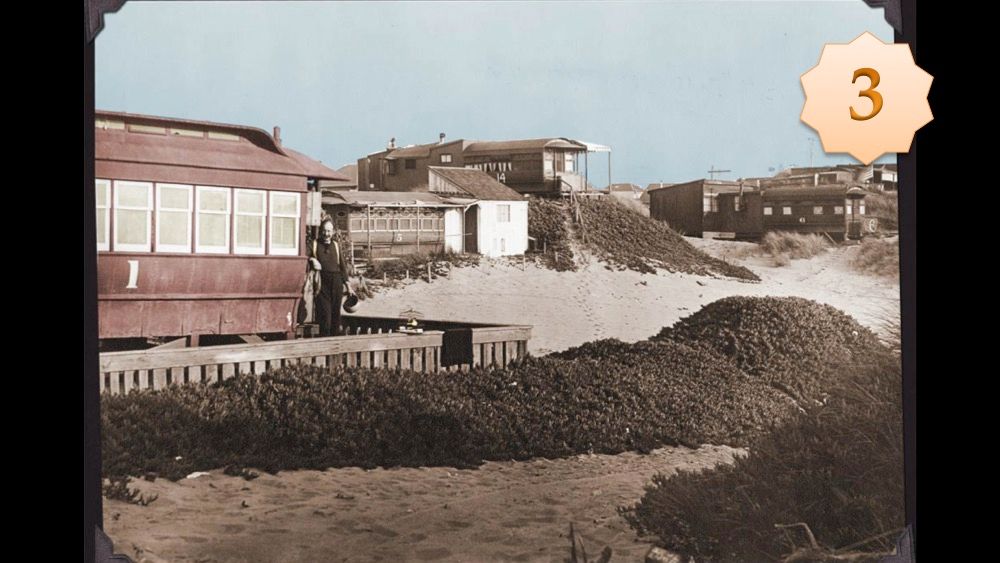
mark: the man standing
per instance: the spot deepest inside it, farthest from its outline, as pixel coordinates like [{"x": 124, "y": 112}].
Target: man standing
[{"x": 329, "y": 260}]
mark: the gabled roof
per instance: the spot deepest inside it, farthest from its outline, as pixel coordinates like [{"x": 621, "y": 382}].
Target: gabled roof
[
  {"x": 477, "y": 183},
  {"x": 236, "y": 147}
]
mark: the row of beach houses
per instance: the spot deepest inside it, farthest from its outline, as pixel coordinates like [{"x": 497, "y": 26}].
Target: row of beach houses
[{"x": 447, "y": 196}]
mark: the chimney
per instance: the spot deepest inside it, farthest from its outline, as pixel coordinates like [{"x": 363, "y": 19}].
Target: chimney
[
  {"x": 277, "y": 135},
  {"x": 392, "y": 143},
  {"x": 440, "y": 138}
]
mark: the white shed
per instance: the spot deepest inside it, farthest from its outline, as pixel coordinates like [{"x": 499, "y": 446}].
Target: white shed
[{"x": 495, "y": 223}]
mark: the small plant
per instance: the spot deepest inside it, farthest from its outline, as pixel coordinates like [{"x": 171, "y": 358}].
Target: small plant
[
  {"x": 117, "y": 489},
  {"x": 878, "y": 257}
]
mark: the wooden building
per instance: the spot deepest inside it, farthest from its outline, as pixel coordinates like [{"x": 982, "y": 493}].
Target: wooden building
[
  {"x": 200, "y": 227},
  {"x": 735, "y": 210},
  {"x": 530, "y": 166},
  {"x": 496, "y": 222}
]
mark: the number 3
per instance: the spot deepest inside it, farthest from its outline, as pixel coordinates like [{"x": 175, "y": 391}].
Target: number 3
[{"x": 870, "y": 93}]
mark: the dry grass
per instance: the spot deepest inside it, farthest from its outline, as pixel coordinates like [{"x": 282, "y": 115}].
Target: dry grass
[
  {"x": 884, "y": 206},
  {"x": 879, "y": 257},
  {"x": 783, "y": 247}
]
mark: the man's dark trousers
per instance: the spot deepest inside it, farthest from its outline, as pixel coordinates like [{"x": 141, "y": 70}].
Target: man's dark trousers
[{"x": 328, "y": 302}]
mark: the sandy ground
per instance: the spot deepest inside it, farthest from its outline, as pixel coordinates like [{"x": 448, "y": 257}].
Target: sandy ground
[
  {"x": 505, "y": 511},
  {"x": 570, "y": 308}
]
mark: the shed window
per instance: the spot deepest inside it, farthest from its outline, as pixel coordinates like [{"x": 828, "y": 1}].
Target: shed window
[
  {"x": 569, "y": 162},
  {"x": 445, "y": 159},
  {"x": 390, "y": 167},
  {"x": 133, "y": 215},
  {"x": 173, "y": 218},
  {"x": 768, "y": 210},
  {"x": 817, "y": 210},
  {"x": 212, "y": 227},
  {"x": 786, "y": 210},
  {"x": 411, "y": 164},
  {"x": 503, "y": 214},
  {"x": 838, "y": 210},
  {"x": 861, "y": 209},
  {"x": 102, "y": 198},
  {"x": 736, "y": 203},
  {"x": 710, "y": 203},
  {"x": 284, "y": 223},
  {"x": 547, "y": 163},
  {"x": 251, "y": 212}
]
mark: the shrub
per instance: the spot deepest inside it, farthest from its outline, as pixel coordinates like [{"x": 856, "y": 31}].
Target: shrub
[
  {"x": 884, "y": 206},
  {"x": 783, "y": 247},
  {"x": 838, "y": 469},
  {"x": 627, "y": 239},
  {"x": 548, "y": 224},
  {"x": 793, "y": 344},
  {"x": 878, "y": 257},
  {"x": 633, "y": 397}
]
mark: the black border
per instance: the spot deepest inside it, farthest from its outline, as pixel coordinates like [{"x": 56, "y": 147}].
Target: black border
[{"x": 908, "y": 171}]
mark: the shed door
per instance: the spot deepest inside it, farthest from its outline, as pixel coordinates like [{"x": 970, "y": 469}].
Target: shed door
[
  {"x": 453, "y": 234},
  {"x": 472, "y": 229}
]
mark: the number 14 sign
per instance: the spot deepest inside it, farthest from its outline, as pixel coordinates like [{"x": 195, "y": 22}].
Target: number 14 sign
[{"x": 866, "y": 98}]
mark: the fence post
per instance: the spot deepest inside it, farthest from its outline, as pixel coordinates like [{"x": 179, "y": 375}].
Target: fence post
[{"x": 428, "y": 272}]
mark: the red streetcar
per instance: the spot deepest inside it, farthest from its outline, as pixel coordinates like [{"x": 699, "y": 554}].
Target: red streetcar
[{"x": 201, "y": 228}]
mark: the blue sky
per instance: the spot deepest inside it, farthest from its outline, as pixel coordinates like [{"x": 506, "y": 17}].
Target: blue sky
[{"x": 673, "y": 87}]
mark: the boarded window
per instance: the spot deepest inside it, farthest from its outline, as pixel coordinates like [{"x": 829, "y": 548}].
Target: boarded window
[
  {"x": 251, "y": 212},
  {"x": 133, "y": 213},
  {"x": 212, "y": 225},
  {"x": 284, "y": 223},
  {"x": 103, "y": 198},
  {"x": 173, "y": 218},
  {"x": 503, "y": 214}
]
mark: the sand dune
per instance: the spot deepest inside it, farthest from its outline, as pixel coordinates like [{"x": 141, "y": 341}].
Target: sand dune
[{"x": 505, "y": 511}]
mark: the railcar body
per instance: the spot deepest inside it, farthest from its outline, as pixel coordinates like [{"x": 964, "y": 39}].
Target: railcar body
[{"x": 200, "y": 227}]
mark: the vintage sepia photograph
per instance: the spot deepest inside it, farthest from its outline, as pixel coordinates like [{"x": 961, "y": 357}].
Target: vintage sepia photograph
[{"x": 490, "y": 281}]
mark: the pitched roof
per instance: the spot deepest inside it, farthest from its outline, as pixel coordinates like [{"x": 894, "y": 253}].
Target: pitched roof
[
  {"x": 383, "y": 199},
  {"x": 191, "y": 143},
  {"x": 477, "y": 183},
  {"x": 523, "y": 144}
]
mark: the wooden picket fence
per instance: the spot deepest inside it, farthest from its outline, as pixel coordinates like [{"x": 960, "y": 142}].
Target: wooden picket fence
[{"x": 370, "y": 342}]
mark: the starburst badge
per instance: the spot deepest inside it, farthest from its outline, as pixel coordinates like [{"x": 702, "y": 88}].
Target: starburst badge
[{"x": 866, "y": 98}]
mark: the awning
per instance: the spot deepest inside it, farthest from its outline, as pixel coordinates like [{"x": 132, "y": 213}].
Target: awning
[{"x": 593, "y": 147}]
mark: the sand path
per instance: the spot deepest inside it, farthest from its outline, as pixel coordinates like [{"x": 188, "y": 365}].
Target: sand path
[
  {"x": 570, "y": 308},
  {"x": 503, "y": 511}
]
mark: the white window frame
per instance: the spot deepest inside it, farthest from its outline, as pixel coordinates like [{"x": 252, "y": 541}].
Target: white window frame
[
  {"x": 263, "y": 222},
  {"x": 123, "y": 247},
  {"x": 106, "y": 209},
  {"x": 786, "y": 210},
  {"x": 768, "y": 210},
  {"x": 817, "y": 210},
  {"x": 446, "y": 158},
  {"x": 501, "y": 207},
  {"x": 838, "y": 209},
  {"x": 204, "y": 249},
  {"x": 270, "y": 220},
  {"x": 159, "y": 207}
]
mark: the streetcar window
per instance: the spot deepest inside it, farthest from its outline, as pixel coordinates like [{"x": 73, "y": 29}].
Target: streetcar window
[
  {"x": 103, "y": 197},
  {"x": 251, "y": 211},
  {"x": 212, "y": 225},
  {"x": 173, "y": 218},
  {"x": 133, "y": 216},
  {"x": 284, "y": 223}
]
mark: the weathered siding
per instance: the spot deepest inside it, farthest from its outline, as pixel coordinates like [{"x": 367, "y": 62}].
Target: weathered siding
[
  {"x": 680, "y": 206},
  {"x": 503, "y": 239}
]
